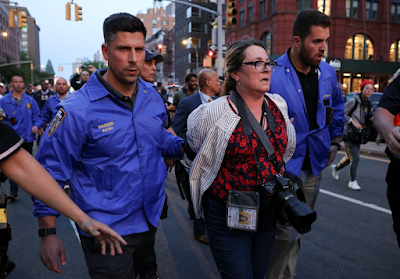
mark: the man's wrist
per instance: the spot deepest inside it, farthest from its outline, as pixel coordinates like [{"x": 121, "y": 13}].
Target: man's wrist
[
  {"x": 338, "y": 146},
  {"x": 46, "y": 231}
]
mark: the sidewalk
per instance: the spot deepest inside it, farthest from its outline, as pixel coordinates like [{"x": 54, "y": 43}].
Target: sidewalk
[{"x": 371, "y": 148}]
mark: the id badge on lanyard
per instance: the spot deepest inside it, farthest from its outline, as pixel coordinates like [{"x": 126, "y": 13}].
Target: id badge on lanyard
[{"x": 242, "y": 210}]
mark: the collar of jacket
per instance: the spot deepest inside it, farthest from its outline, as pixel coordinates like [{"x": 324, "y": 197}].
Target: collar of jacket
[{"x": 98, "y": 91}]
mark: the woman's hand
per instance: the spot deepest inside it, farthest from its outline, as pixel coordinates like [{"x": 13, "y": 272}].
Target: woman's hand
[{"x": 356, "y": 124}]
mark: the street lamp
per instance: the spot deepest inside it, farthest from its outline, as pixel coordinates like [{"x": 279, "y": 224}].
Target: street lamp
[
  {"x": 4, "y": 34},
  {"x": 188, "y": 42}
]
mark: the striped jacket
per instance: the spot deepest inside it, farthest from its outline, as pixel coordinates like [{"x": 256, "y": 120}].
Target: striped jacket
[{"x": 210, "y": 127}]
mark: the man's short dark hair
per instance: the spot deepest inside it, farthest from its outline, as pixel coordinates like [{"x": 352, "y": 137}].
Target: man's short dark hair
[
  {"x": 123, "y": 22},
  {"x": 306, "y": 19},
  {"x": 189, "y": 76}
]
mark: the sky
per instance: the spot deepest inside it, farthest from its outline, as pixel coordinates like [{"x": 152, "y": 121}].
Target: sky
[{"x": 63, "y": 41}]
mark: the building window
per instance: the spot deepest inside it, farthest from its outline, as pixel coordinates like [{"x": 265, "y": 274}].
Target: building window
[
  {"x": 164, "y": 22},
  {"x": 154, "y": 21},
  {"x": 241, "y": 17},
  {"x": 352, "y": 9},
  {"x": 272, "y": 7},
  {"x": 197, "y": 27},
  {"x": 394, "y": 53},
  {"x": 262, "y": 8},
  {"x": 154, "y": 30},
  {"x": 250, "y": 13},
  {"x": 359, "y": 47},
  {"x": 324, "y": 6},
  {"x": 267, "y": 41},
  {"x": 371, "y": 9},
  {"x": 192, "y": 12},
  {"x": 192, "y": 58},
  {"x": 396, "y": 10},
  {"x": 142, "y": 19},
  {"x": 303, "y": 5}
]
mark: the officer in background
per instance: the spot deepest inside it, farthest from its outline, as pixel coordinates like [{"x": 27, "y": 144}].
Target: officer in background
[
  {"x": 24, "y": 117},
  {"x": 388, "y": 108},
  {"x": 48, "y": 110}
]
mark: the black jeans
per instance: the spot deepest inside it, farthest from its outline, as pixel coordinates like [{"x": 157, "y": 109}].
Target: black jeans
[{"x": 120, "y": 266}]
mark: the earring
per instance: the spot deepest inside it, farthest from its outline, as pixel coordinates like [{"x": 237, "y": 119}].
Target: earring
[{"x": 240, "y": 86}]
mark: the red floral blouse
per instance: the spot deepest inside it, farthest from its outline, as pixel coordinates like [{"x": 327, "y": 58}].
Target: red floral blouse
[{"x": 238, "y": 169}]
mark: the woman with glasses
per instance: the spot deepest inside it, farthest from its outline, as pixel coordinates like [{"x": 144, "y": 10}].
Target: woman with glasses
[{"x": 227, "y": 159}]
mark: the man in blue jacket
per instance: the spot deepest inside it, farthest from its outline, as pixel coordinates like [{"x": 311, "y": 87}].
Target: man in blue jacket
[
  {"x": 24, "y": 116},
  {"x": 108, "y": 140},
  {"x": 315, "y": 102},
  {"x": 48, "y": 110}
]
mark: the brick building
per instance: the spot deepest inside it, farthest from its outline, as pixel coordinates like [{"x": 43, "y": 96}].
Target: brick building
[
  {"x": 156, "y": 19},
  {"x": 364, "y": 35}
]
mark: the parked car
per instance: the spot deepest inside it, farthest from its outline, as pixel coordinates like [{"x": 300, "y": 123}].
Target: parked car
[{"x": 375, "y": 98}]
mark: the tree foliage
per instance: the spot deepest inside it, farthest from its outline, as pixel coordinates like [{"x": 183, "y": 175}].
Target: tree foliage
[
  {"x": 49, "y": 67},
  {"x": 23, "y": 70}
]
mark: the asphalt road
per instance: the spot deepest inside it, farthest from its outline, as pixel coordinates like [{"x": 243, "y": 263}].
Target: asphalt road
[{"x": 352, "y": 237}]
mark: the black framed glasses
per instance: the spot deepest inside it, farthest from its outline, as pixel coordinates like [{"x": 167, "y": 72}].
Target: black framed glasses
[{"x": 261, "y": 66}]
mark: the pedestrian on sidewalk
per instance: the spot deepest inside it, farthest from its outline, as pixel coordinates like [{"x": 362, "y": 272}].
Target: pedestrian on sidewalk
[
  {"x": 385, "y": 121},
  {"x": 358, "y": 113}
]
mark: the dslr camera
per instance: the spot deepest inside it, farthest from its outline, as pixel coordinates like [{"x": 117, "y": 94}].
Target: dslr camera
[{"x": 285, "y": 193}]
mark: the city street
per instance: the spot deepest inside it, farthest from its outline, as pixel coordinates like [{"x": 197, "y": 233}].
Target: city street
[{"x": 352, "y": 237}]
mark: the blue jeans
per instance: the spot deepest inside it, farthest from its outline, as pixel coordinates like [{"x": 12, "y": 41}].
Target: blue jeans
[{"x": 239, "y": 254}]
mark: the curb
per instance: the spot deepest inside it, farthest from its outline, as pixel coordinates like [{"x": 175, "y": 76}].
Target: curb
[{"x": 373, "y": 153}]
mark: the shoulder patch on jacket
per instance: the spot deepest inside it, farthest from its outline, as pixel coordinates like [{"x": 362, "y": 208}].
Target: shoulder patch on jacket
[
  {"x": 2, "y": 114},
  {"x": 57, "y": 121}
]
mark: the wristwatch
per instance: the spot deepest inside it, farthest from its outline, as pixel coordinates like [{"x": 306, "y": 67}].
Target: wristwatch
[{"x": 47, "y": 231}]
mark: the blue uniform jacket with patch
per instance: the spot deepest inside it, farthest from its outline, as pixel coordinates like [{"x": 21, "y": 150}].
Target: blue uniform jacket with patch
[
  {"x": 48, "y": 110},
  {"x": 285, "y": 82},
  {"x": 26, "y": 114},
  {"x": 111, "y": 155}
]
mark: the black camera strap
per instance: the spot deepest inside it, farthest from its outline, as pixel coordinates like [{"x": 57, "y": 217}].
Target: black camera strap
[{"x": 250, "y": 123}]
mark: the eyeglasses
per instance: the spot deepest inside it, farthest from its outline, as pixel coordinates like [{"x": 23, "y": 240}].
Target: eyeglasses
[{"x": 261, "y": 66}]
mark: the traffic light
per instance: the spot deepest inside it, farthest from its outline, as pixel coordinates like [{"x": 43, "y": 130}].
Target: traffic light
[
  {"x": 160, "y": 47},
  {"x": 22, "y": 21},
  {"x": 78, "y": 13},
  {"x": 68, "y": 11},
  {"x": 164, "y": 50},
  {"x": 11, "y": 19},
  {"x": 211, "y": 53},
  {"x": 230, "y": 13}
]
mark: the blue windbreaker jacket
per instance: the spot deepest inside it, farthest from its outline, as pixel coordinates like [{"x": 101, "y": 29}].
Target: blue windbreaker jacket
[
  {"x": 27, "y": 115},
  {"x": 285, "y": 82},
  {"x": 111, "y": 155},
  {"x": 48, "y": 110}
]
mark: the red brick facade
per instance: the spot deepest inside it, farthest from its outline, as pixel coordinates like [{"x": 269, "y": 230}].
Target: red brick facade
[{"x": 278, "y": 21}]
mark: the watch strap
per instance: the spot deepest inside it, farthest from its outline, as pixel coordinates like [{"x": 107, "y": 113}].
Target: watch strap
[{"x": 47, "y": 231}]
